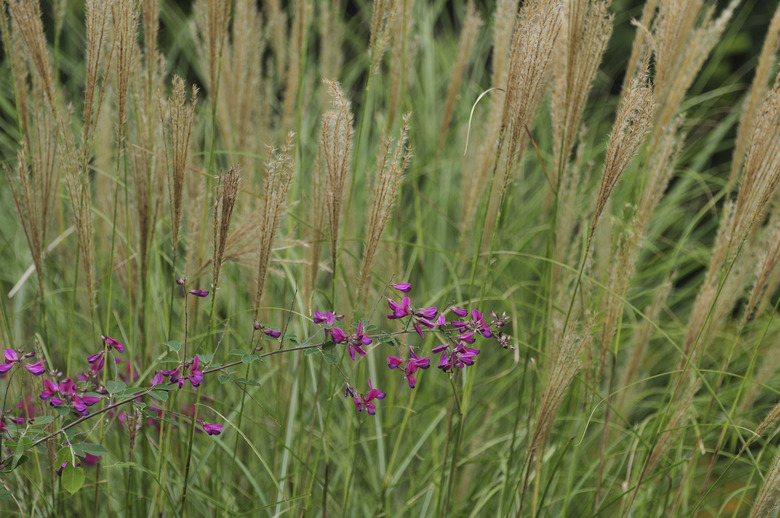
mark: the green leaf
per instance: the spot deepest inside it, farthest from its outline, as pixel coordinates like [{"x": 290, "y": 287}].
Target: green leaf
[
  {"x": 330, "y": 358},
  {"x": 223, "y": 378},
  {"x": 327, "y": 347},
  {"x": 237, "y": 352},
  {"x": 384, "y": 338},
  {"x": 309, "y": 352},
  {"x": 205, "y": 358},
  {"x": 44, "y": 419},
  {"x": 88, "y": 447},
  {"x": 25, "y": 443},
  {"x": 173, "y": 345},
  {"x": 115, "y": 386},
  {"x": 72, "y": 478},
  {"x": 64, "y": 455},
  {"x": 249, "y": 358},
  {"x": 62, "y": 410},
  {"x": 5, "y": 494},
  {"x": 160, "y": 395}
]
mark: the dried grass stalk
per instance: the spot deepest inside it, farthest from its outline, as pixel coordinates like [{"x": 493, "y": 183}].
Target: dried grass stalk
[
  {"x": 294, "y": 58},
  {"x": 632, "y": 124},
  {"x": 240, "y": 109},
  {"x": 479, "y": 165},
  {"x": 225, "y": 201},
  {"x": 533, "y": 41},
  {"x": 279, "y": 171},
  {"x": 579, "y": 50},
  {"x": 336, "y": 152},
  {"x": 402, "y": 52},
  {"x": 390, "y": 168},
  {"x": 468, "y": 36},
  {"x": 382, "y": 17},
  {"x": 212, "y": 18},
  {"x": 682, "y": 48},
  {"x": 758, "y": 88},
  {"x": 768, "y": 498},
  {"x": 177, "y": 129}
]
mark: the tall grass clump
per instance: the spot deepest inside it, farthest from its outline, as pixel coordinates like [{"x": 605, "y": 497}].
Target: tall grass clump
[{"x": 505, "y": 258}]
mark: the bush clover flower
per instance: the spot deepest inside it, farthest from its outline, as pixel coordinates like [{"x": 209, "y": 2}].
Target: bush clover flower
[
  {"x": 66, "y": 392},
  {"x": 120, "y": 348},
  {"x": 12, "y": 359},
  {"x": 354, "y": 342},
  {"x": 328, "y": 318},
  {"x": 199, "y": 293},
  {"x": 212, "y": 428},
  {"x": 459, "y": 358},
  {"x": 403, "y": 287},
  {"x": 37, "y": 368},
  {"x": 399, "y": 310},
  {"x": 268, "y": 331},
  {"x": 476, "y": 324},
  {"x": 365, "y": 401},
  {"x": 412, "y": 366}
]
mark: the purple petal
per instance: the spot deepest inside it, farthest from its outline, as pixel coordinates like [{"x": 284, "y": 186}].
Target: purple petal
[
  {"x": 419, "y": 330},
  {"x": 37, "y": 368},
  {"x": 338, "y": 335},
  {"x": 213, "y": 428},
  {"x": 10, "y": 356},
  {"x": 427, "y": 312},
  {"x": 199, "y": 293},
  {"x": 460, "y": 312},
  {"x": 403, "y": 287}
]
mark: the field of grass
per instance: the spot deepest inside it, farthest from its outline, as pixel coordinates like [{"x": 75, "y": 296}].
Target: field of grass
[{"x": 389, "y": 258}]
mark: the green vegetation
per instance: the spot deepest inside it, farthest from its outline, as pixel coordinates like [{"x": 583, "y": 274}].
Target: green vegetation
[{"x": 195, "y": 194}]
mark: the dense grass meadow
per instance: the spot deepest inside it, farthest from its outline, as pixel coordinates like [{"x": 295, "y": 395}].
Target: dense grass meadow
[{"x": 390, "y": 258}]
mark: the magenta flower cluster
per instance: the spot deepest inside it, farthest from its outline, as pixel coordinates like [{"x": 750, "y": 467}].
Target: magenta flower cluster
[
  {"x": 12, "y": 359},
  {"x": 455, "y": 353}
]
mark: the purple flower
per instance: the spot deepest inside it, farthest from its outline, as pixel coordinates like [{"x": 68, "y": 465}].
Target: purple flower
[
  {"x": 328, "y": 318},
  {"x": 338, "y": 335},
  {"x": 114, "y": 343},
  {"x": 10, "y": 356},
  {"x": 49, "y": 389},
  {"x": 426, "y": 312},
  {"x": 213, "y": 428},
  {"x": 460, "y": 312},
  {"x": 399, "y": 310},
  {"x": 403, "y": 287},
  {"x": 441, "y": 321},
  {"x": 68, "y": 387},
  {"x": 196, "y": 375},
  {"x": 368, "y": 398},
  {"x": 37, "y": 368},
  {"x": 413, "y": 365},
  {"x": 354, "y": 342},
  {"x": 394, "y": 361},
  {"x": 5, "y": 367},
  {"x": 158, "y": 378},
  {"x": 199, "y": 293},
  {"x": 365, "y": 401},
  {"x": 272, "y": 333}
]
